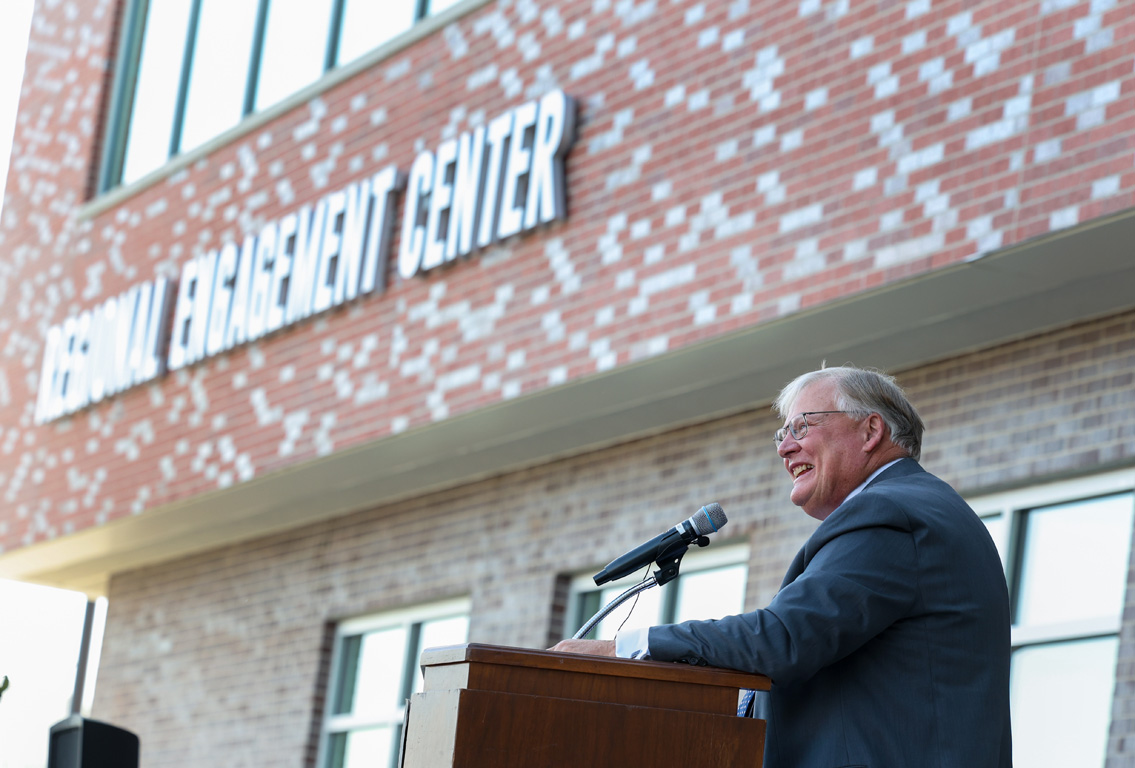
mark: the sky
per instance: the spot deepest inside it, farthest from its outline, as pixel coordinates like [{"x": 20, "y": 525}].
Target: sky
[
  {"x": 40, "y": 627},
  {"x": 15, "y": 18}
]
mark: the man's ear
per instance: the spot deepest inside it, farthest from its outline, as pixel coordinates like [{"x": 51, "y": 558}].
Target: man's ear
[{"x": 874, "y": 430}]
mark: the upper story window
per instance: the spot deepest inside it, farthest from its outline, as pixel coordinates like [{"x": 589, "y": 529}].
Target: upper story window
[
  {"x": 1067, "y": 549},
  {"x": 191, "y": 69}
]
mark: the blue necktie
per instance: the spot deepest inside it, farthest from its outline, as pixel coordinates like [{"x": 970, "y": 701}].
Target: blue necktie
[{"x": 746, "y": 703}]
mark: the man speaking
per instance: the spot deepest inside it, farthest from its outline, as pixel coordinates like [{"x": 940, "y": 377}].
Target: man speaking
[{"x": 888, "y": 642}]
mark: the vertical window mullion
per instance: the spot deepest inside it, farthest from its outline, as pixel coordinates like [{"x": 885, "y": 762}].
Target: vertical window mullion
[
  {"x": 256, "y": 56},
  {"x": 347, "y": 679},
  {"x": 410, "y": 663},
  {"x": 334, "y": 31},
  {"x": 1018, "y": 528},
  {"x": 122, "y": 98},
  {"x": 183, "y": 84},
  {"x": 670, "y": 601}
]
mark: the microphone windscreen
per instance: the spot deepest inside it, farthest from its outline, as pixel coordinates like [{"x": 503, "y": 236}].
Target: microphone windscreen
[{"x": 708, "y": 519}]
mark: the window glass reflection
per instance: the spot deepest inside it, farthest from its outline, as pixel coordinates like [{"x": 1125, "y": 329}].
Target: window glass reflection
[
  {"x": 437, "y": 6},
  {"x": 1074, "y": 561},
  {"x": 368, "y": 24},
  {"x": 292, "y": 54},
  {"x": 449, "y": 631},
  {"x": 217, "y": 82},
  {"x": 710, "y": 594},
  {"x": 379, "y": 687},
  {"x": 642, "y": 610},
  {"x": 710, "y": 585},
  {"x": 363, "y": 748},
  {"x": 376, "y": 670},
  {"x": 1061, "y": 702},
  {"x": 295, "y": 45},
  {"x": 155, "y": 95}
]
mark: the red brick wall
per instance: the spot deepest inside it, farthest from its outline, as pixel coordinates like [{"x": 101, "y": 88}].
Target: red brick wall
[
  {"x": 223, "y": 653},
  {"x": 735, "y": 163}
]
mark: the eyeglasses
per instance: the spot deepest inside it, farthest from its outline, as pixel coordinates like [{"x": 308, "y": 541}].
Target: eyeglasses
[{"x": 798, "y": 426}]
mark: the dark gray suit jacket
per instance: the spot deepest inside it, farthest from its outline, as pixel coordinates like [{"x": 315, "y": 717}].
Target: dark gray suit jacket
[{"x": 888, "y": 643}]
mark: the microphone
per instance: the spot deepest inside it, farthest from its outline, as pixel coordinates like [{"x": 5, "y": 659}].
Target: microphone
[{"x": 705, "y": 521}]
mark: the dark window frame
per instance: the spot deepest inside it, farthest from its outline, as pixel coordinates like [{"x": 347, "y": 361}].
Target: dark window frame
[{"x": 127, "y": 70}]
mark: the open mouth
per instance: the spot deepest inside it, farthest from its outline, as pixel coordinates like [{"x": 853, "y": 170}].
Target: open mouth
[{"x": 800, "y": 469}]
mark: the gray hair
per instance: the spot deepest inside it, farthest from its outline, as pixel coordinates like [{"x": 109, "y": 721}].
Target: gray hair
[{"x": 863, "y": 391}]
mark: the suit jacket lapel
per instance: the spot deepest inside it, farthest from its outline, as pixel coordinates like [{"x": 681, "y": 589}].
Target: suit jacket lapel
[{"x": 901, "y": 468}]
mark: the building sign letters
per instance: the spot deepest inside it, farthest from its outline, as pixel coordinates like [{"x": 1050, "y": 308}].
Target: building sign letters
[{"x": 486, "y": 185}]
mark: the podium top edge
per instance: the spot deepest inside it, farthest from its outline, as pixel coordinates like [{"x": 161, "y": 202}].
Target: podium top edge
[{"x": 597, "y": 665}]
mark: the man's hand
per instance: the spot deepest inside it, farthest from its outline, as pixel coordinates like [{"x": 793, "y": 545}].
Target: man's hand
[{"x": 589, "y": 647}]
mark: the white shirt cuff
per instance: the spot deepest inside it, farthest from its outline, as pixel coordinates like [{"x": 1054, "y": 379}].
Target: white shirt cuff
[{"x": 633, "y": 643}]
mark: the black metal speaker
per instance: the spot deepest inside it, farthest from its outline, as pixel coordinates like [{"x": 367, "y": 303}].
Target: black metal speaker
[{"x": 81, "y": 743}]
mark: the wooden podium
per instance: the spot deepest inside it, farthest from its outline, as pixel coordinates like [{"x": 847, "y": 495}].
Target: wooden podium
[{"x": 486, "y": 706}]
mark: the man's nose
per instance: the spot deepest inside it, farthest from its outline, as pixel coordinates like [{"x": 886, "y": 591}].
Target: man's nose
[{"x": 787, "y": 445}]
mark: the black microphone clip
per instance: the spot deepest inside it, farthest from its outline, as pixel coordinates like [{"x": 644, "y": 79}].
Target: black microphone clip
[
  {"x": 668, "y": 563},
  {"x": 670, "y": 559}
]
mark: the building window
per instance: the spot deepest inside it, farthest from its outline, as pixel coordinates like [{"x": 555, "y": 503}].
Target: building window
[
  {"x": 1066, "y": 548},
  {"x": 288, "y": 60},
  {"x": 711, "y": 584},
  {"x": 216, "y": 69},
  {"x": 191, "y": 69},
  {"x": 367, "y": 25},
  {"x": 374, "y": 671}
]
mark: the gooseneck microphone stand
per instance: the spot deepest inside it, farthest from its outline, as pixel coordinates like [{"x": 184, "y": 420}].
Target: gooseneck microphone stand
[
  {"x": 642, "y": 586},
  {"x": 667, "y": 562}
]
